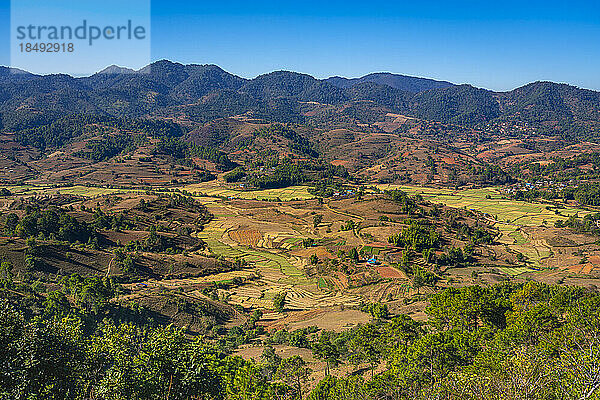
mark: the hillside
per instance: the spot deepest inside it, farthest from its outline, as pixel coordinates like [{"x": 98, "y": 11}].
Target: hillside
[
  {"x": 204, "y": 92},
  {"x": 402, "y": 82},
  {"x": 182, "y": 233}
]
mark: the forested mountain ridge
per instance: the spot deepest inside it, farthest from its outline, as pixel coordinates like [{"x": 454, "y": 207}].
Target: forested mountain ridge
[
  {"x": 211, "y": 92},
  {"x": 402, "y": 82}
]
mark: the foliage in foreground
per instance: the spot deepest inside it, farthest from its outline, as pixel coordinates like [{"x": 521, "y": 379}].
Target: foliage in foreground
[{"x": 509, "y": 341}]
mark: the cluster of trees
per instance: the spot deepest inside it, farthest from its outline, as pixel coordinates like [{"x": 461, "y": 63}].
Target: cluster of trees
[
  {"x": 204, "y": 176},
  {"x": 422, "y": 277},
  {"x": 297, "y": 142},
  {"x": 473, "y": 234},
  {"x": 328, "y": 179},
  {"x": 587, "y": 194},
  {"x": 153, "y": 243},
  {"x": 279, "y": 301},
  {"x": 283, "y": 175},
  {"x": 560, "y": 169},
  {"x": 408, "y": 204},
  {"x": 74, "y": 343},
  {"x": 326, "y": 189},
  {"x": 323, "y": 171},
  {"x": 174, "y": 147},
  {"x": 379, "y": 311},
  {"x": 587, "y": 224},
  {"x": 180, "y": 150},
  {"x": 491, "y": 175},
  {"x": 298, "y": 338},
  {"x": 463, "y": 105},
  {"x": 272, "y": 173},
  {"x": 115, "y": 221},
  {"x": 126, "y": 261},
  {"x": 89, "y": 294},
  {"x": 416, "y": 236},
  {"x": 55, "y": 359},
  {"x": 534, "y": 194},
  {"x": 58, "y": 131},
  {"x": 235, "y": 175},
  {"x": 53, "y": 223},
  {"x": 455, "y": 256},
  {"x": 508, "y": 341},
  {"x": 110, "y": 146}
]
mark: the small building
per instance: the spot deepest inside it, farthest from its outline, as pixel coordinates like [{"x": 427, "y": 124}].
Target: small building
[{"x": 373, "y": 261}]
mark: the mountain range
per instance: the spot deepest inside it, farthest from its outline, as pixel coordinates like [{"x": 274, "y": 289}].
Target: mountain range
[{"x": 203, "y": 92}]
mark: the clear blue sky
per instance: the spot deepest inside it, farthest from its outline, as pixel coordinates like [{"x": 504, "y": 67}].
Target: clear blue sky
[{"x": 498, "y": 45}]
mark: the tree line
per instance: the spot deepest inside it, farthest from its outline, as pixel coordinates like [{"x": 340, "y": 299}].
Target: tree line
[{"x": 507, "y": 341}]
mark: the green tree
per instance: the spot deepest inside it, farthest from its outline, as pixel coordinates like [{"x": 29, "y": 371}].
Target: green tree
[
  {"x": 317, "y": 219},
  {"x": 366, "y": 346},
  {"x": 56, "y": 304},
  {"x": 327, "y": 350},
  {"x": 41, "y": 359},
  {"x": 279, "y": 301},
  {"x": 353, "y": 254},
  {"x": 294, "y": 372}
]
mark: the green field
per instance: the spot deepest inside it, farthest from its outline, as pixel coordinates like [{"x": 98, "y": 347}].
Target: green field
[
  {"x": 212, "y": 235},
  {"x": 371, "y": 250},
  {"x": 87, "y": 191},
  {"x": 508, "y": 216},
  {"x": 322, "y": 284},
  {"x": 214, "y": 189},
  {"x": 513, "y": 212},
  {"x": 518, "y": 237},
  {"x": 515, "y": 271},
  {"x": 209, "y": 189}
]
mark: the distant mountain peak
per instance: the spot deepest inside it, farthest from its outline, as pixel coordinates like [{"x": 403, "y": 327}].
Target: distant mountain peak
[
  {"x": 403, "y": 82},
  {"x": 115, "y": 69}
]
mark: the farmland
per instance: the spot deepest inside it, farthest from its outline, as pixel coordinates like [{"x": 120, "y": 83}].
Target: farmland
[
  {"x": 202, "y": 190},
  {"x": 493, "y": 203},
  {"x": 214, "y": 189},
  {"x": 359, "y": 247},
  {"x": 524, "y": 227}
]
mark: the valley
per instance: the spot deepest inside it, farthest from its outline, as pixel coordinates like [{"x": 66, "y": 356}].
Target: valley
[{"x": 341, "y": 232}]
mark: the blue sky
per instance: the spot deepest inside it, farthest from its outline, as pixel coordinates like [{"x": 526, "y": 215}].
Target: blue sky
[{"x": 498, "y": 45}]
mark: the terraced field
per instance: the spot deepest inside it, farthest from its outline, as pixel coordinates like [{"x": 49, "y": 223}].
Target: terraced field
[
  {"x": 278, "y": 271},
  {"x": 297, "y": 297},
  {"x": 270, "y": 243},
  {"x": 515, "y": 271},
  {"x": 510, "y": 217},
  {"x": 88, "y": 191},
  {"x": 216, "y": 230},
  {"x": 208, "y": 189},
  {"x": 490, "y": 201},
  {"x": 216, "y": 189}
]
